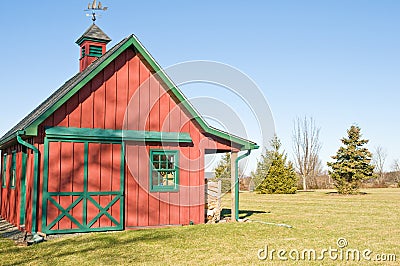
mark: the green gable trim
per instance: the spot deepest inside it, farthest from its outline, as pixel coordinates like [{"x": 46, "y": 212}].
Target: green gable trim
[
  {"x": 97, "y": 134},
  {"x": 32, "y": 128}
]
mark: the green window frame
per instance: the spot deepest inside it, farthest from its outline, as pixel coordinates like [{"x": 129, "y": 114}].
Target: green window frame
[
  {"x": 164, "y": 170},
  {"x": 13, "y": 174},
  {"x": 3, "y": 176}
]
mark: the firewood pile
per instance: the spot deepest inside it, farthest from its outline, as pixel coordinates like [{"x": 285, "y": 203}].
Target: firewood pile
[{"x": 213, "y": 201}]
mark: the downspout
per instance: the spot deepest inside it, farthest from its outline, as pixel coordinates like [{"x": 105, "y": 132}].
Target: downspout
[
  {"x": 237, "y": 182},
  {"x": 35, "y": 178}
]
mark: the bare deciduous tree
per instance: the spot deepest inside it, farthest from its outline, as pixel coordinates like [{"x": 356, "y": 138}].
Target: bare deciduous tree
[
  {"x": 306, "y": 146},
  {"x": 396, "y": 170},
  {"x": 379, "y": 160}
]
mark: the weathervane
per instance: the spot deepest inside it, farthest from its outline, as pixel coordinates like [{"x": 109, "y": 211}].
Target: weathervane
[{"x": 93, "y": 7}]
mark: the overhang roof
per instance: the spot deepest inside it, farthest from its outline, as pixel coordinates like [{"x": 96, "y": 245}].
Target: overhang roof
[{"x": 30, "y": 123}]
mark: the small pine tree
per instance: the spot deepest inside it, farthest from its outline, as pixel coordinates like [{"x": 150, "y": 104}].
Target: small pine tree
[
  {"x": 279, "y": 175},
  {"x": 261, "y": 171},
  {"x": 352, "y": 163},
  {"x": 223, "y": 172}
]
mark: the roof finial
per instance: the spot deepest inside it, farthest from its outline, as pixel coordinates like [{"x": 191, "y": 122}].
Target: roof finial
[{"x": 93, "y": 7}]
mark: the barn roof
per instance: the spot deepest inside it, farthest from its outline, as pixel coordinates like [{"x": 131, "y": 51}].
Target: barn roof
[{"x": 30, "y": 123}]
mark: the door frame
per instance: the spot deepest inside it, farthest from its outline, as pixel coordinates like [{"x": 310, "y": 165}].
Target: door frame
[{"x": 84, "y": 196}]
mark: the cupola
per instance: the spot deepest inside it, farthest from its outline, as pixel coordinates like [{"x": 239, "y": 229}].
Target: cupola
[{"x": 93, "y": 45}]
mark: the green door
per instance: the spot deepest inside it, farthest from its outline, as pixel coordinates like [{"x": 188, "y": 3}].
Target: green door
[{"x": 83, "y": 186}]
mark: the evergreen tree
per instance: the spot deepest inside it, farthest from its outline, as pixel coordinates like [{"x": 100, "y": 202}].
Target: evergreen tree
[
  {"x": 278, "y": 175},
  {"x": 263, "y": 166},
  {"x": 223, "y": 172},
  {"x": 352, "y": 163},
  {"x": 223, "y": 169}
]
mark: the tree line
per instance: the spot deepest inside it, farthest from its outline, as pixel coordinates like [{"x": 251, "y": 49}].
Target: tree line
[{"x": 353, "y": 164}]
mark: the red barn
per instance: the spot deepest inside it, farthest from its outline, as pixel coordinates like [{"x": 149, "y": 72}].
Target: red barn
[{"x": 115, "y": 147}]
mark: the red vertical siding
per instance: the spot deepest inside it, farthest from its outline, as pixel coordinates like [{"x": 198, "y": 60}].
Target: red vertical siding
[
  {"x": 78, "y": 178},
  {"x": 11, "y": 197}
]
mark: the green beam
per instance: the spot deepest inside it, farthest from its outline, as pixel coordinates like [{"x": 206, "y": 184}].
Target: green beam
[{"x": 97, "y": 134}]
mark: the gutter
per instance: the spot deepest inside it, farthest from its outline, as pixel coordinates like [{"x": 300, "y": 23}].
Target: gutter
[
  {"x": 237, "y": 182},
  {"x": 35, "y": 178}
]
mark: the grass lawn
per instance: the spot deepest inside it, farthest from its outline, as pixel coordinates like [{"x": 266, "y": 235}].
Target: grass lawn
[{"x": 370, "y": 221}]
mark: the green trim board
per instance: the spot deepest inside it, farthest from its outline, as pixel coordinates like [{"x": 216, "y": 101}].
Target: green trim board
[
  {"x": 22, "y": 207},
  {"x": 84, "y": 196},
  {"x": 13, "y": 169},
  {"x": 90, "y": 73},
  {"x": 35, "y": 178},
  {"x": 4, "y": 172},
  {"x": 164, "y": 171},
  {"x": 97, "y": 134}
]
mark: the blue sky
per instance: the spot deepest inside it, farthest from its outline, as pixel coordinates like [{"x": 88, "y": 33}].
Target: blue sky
[{"x": 337, "y": 61}]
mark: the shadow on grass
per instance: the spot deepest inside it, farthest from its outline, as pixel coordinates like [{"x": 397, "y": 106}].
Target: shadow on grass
[
  {"x": 335, "y": 193},
  {"x": 80, "y": 245},
  {"x": 242, "y": 213}
]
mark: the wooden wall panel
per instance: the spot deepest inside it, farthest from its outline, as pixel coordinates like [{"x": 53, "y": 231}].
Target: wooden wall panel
[
  {"x": 172, "y": 121},
  {"x": 184, "y": 181},
  {"x": 111, "y": 95},
  {"x": 94, "y": 179},
  {"x": 106, "y": 165},
  {"x": 38, "y": 208},
  {"x": 78, "y": 177},
  {"x": 132, "y": 186},
  {"x": 143, "y": 196},
  {"x": 133, "y": 97},
  {"x": 195, "y": 175},
  {"x": 86, "y": 98},
  {"x": 99, "y": 104},
  {"x": 154, "y": 202},
  {"x": 115, "y": 180},
  {"x": 4, "y": 191},
  {"x": 122, "y": 79},
  {"x": 152, "y": 124}
]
